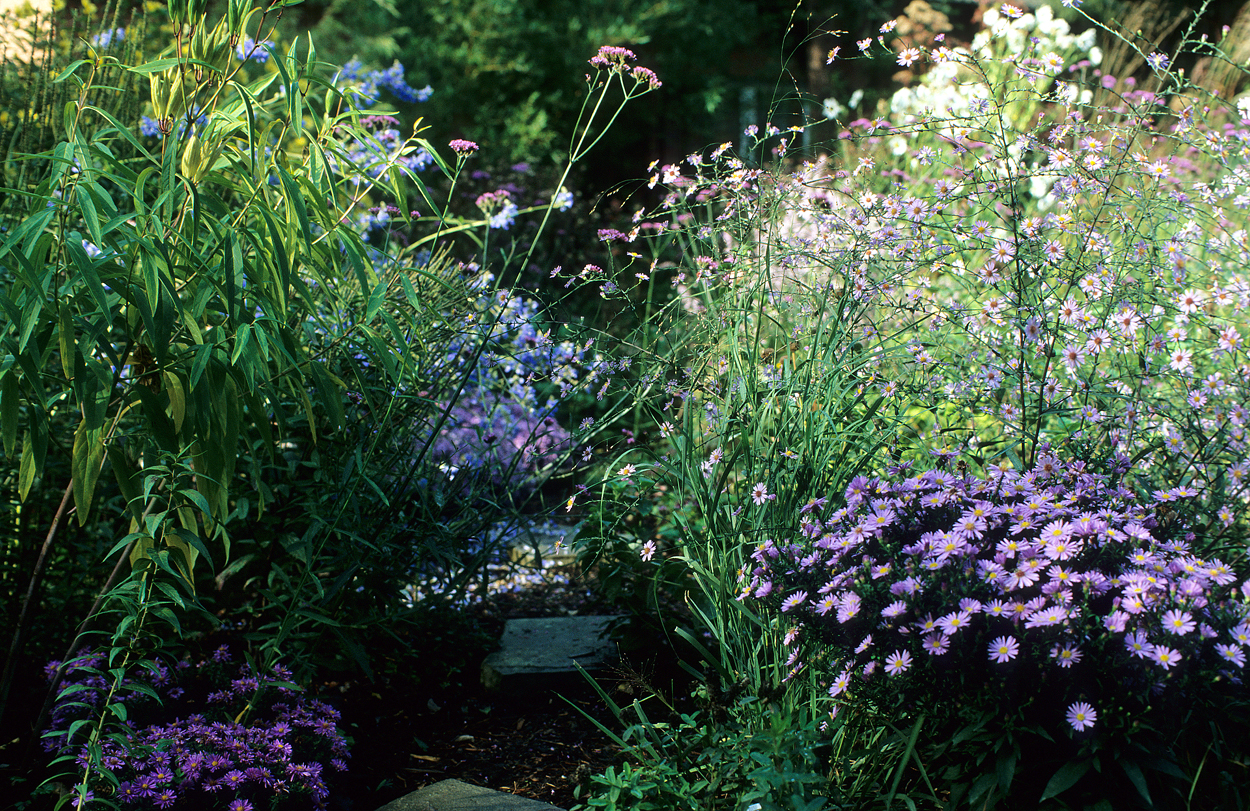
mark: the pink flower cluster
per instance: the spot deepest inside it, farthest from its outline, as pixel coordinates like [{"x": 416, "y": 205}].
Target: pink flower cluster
[{"x": 618, "y": 60}]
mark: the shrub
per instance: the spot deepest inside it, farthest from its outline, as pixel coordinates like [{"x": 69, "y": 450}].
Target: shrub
[{"x": 215, "y": 731}]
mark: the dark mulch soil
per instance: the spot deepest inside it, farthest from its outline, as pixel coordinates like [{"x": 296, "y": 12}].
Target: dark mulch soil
[{"x": 535, "y": 745}]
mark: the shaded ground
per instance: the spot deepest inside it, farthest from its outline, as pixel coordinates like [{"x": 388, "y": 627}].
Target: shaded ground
[{"x": 536, "y": 746}]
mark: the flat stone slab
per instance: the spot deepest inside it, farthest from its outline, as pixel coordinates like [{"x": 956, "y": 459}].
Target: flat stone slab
[
  {"x": 535, "y": 652},
  {"x": 453, "y": 795}
]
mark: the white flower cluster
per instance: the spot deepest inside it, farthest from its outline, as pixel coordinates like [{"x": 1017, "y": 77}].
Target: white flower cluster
[{"x": 950, "y": 90}]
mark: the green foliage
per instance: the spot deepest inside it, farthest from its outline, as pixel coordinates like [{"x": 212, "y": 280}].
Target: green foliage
[
  {"x": 508, "y": 73},
  {"x": 697, "y": 762}
]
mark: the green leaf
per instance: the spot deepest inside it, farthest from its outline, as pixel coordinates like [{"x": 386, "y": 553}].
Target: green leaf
[
  {"x": 65, "y": 337},
  {"x": 27, "y": 470},
  {"x": 1006, "y": 769},
  {"x": 157, "y": 65},
  {"x": 177, "y": 399},
  {"x": 376, "y": 298},
  {"x": 86, "y": 269},
  {"x": 69, "y": 70},
  {"x": 1135, "y": 776},
  {"x": 10, "y": 402},
  {"x": 127, "y": 475},
  {"x": 1065, "y": 778},
  {"x": 88, "y": 459},
  {"x": 82, "y": 197},
  {"x": 203, "y": 353},
  {"x": 241, "y": 339},
  {"x": 192, "y": 547}
]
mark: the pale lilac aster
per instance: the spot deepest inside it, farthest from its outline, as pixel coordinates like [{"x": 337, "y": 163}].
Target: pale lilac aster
[
  {"x": 1231, "y": 653},
  {"x": 793, "y": 601},
  {"x": 927, "y": 624},
  {"x": 840, "y": 684},
  {"x": 1004, "y": 649},
  {"x": 1178, "y": 622},
  {"x": 936, "y": 644},
  {"x": 997, "y": 608},
  {"x": 1081, "y": 716},
  {"x": 1164, "y": 656},
  {"x": 1115, "y": 622},
  {"x": 1066, "y": 656},
  {"x": 894, "y": 609},
  {"x": 848, "y": 606},
  {"x": 1045, "y": 617},
  {"x": 955, "y": 621},
  {"x": 897, "y": 662}
]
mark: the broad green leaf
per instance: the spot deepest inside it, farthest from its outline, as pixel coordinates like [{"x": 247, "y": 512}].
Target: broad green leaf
[
  {"x": 88, "y": 459},
  {"x": 157, "y": 65},
  {"x": 1135, "y": 776},
  {"x": 376, "y": 298},
  {"x": 65, "y": 336},
  {"x": 193, "y": 540},
  {"x": 27, "y": 471},
  {"x": 1065, "y": 778},
  {"x": 32, "y": 225},
  {"x": 241, "y": 340},
  {"x": 86, "y": 269},
  {"x": 203, "y": 354},
  {"x": 330, "y": 391},
  {"x": 177, "y": 399},
  {"x": 69, "y": 70},
  {"x": 127, "y": 475},
  {"x": 1006, "y": 769},
  {"x": 124, "y": 132},
  {"x": 10, "y": 403},
  {"x": 82, "y": 197},
  {"x": 30, "y": 320},
  {"x": 295, "y": 204}
]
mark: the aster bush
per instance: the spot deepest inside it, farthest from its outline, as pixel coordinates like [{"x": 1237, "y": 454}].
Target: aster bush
[
  {"x": 214, "y": 734},
  {"x": 997, "y": 272},
  {"x": 1052, "y": 611}
]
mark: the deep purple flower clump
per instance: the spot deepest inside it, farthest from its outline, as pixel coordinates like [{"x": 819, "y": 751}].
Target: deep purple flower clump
[{"x": 255, "y": 739}]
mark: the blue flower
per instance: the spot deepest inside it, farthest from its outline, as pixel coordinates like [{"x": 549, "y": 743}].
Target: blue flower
[
  {"x": 249, "y": 48},
  {"x": 107, "y": 37}
]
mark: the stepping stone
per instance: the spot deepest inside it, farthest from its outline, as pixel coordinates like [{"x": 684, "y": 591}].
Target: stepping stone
[
  {"x": 541, "y": 653},
  {"x": 453, "y": 795}
]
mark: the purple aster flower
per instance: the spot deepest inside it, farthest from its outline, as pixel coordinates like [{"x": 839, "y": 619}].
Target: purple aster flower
[
  {"x": 1066, "y": 655},
  {"x": 955, "y": 621},
  {"x": 793, "y": 601},
  {"x": 1004, "y": 649},
  {"x": 840, "y": 684},
  {"x": 897, "y": 662},
  {"x": 1231, "y": 653},
  {"x": 1178, "y": 622},
  {"x": 1081, "y": 716},
  {"x": 1164, "y": 656},
  {"x": 936, "y": 644}
]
